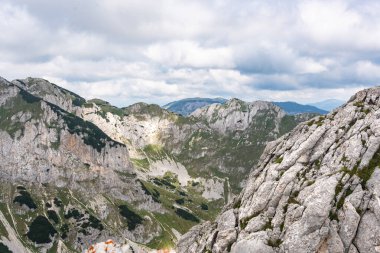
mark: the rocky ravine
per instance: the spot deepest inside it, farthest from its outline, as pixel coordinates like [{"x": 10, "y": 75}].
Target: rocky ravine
[{"x": 316, "y": 189}]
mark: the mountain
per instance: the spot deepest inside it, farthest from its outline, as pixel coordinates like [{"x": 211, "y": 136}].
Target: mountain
[
  {"x": 315, "y": 189},
  {"x": 50, "y": 158},
  {"x": 295, "y": 108},
  {"x": 77, "y": 172},
  {"x": 329, "y": 104},
  {"x": 188, "y": 105}
]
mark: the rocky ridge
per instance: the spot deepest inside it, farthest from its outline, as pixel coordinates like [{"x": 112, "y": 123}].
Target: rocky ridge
[{"x": 314, "y": 190}]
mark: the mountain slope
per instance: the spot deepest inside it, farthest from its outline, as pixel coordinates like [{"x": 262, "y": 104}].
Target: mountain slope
[
  {"x": 188, "y": 105},
  {"x": 64, "y": 182},
  {"x": 153, "y": 174},
  {"x": 315, "y": 190},
  {"x": 295, "y": 108}
]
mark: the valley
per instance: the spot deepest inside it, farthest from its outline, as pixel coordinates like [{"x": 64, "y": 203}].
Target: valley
[{"x": 85, "y": 171}]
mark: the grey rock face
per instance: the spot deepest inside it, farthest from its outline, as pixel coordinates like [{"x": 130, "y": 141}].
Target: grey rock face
[
  {"x": 54, "y": 153},
  {"x": 315, "y": 189}
]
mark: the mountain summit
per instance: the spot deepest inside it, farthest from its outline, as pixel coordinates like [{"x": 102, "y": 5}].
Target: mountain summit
[{"x": 188, "y": 105}]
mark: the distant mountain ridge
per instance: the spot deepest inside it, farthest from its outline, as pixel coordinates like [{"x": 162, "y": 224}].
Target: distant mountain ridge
[
  {"x": 329, "y": 104},
  {"x": 188, "y": 105},
  {"x": 295, "y": 108}
]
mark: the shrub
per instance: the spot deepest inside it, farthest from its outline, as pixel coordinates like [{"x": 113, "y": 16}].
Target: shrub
[
  {"x": 180, "y": 201},
  {"x": 41, "y": 230},
  {"x": 4, "y": 248},
  {"x": 25, "y": 199},
  {"x": 133, "y": 219},
  {"x": 52, "y": 215},
  {"x": 204, "y": 207},
  {"x": 186, "y": 215}
]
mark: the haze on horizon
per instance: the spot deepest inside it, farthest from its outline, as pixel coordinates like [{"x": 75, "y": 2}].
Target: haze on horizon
[{"x": 157, "y": 51}]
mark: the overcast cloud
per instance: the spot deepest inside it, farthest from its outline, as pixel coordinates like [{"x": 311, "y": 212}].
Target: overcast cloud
[{"x": 157, "y": 51}]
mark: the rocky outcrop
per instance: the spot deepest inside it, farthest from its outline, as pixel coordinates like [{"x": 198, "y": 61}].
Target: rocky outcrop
[
  {"x": 54, "y": 163},
  {"x": 90, "y": 171},
  {"x": 314, "y": 190},
  {"x": 237, "y": 115},
  {"x": 51, "y": 93},
  {"x": 45, "y": 144}
]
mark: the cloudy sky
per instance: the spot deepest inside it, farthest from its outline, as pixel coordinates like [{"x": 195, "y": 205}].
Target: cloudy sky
[{"x": 157, "y": 51}]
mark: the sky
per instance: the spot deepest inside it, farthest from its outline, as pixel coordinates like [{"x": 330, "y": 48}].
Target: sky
[{"x": 157, "y": 51}]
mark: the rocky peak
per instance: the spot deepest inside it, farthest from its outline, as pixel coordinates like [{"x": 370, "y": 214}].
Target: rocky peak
[
  {"x": 236, "y": 114},
  {"x": 314, "y": 190},
  {"x": 51, "y": 93}
]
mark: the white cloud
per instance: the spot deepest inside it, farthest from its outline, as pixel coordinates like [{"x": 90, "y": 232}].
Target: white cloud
[
  {"x": 160, "y": 50},
  {"x": 190, "y": 54}
]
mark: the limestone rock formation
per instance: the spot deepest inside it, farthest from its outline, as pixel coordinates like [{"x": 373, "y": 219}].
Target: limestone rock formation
[
  {"x": 75, "y": 172},
  {"x": 314, "y": 190}
]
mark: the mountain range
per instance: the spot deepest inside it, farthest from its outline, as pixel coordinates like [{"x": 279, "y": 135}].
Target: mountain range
[
  {"x": 189, "y": 105},
  {"x": 315, "y": 189},
  {"x": 328, "y": 105},
  {"x": 83, "y": 175},
  {"x": 76, "y": 172}
]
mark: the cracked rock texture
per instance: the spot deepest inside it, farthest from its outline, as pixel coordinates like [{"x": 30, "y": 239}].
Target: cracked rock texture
[{"x": 316, "y": 189}]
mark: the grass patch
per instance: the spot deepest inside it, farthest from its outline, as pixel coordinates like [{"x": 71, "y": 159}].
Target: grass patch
[
  {"x": 278, "y": 159},
  {"x": 142, "y": 163},
  {"x": 163, "y": 241}
]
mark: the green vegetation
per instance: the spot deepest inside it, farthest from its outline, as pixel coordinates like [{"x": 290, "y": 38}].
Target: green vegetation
[
  {"x": 186, "y": 215},
  {"x": 105, "y": 108},
  {"x": 288, "y": 122},
  {"x": 89, "y": 132},
  {"x": 180, "y": 201},
  {"x": 153, "y": 193},
  {"x": 163, "y": 241},
  {"x": 52, "y": 215},
  {"x": 278, "y": 159},
  {"x": 155, "y": 152},
  {"x": 365, "y": 173},
  {"x": 333, "y": 215},
  {"x": 10, "y": 112},
  {"x": 274, "y": 243},
  {"x": 41, "y": 230},
  {"x": 73, "y": 213},
  {"x": 64, "y": 230},
  {"x": 141, "y": 109},
  {"x": 359, "y": 104},
  {"x": 320, "y": 121},
  {"x": 244, "y": 221},
  {"x": 95, "y": 223},
  {"x": 132, "y": 218},
  {"x": 25, "y": 199},
  {"x": 141, "y": 163},
  {"x": 204, "y": 206},
  {"x": 268, "y": 225},
  {"x": 310, "y": 123},
  {"x": 57, "y": 202},
  {"x": 4, "y": 248}
]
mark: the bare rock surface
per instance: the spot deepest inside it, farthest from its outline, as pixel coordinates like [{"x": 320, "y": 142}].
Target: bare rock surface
[{"x": 314, "y": 190}]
